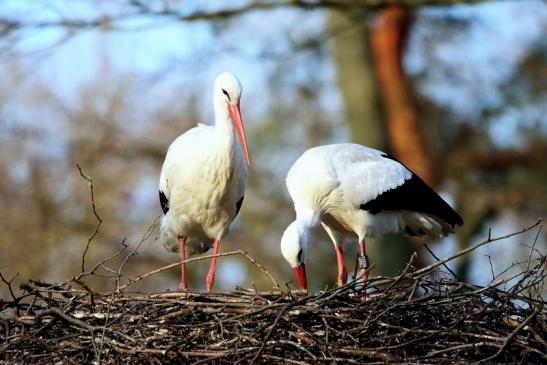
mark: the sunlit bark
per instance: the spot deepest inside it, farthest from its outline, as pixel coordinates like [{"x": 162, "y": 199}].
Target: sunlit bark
[{"x": 406, "y": 138}]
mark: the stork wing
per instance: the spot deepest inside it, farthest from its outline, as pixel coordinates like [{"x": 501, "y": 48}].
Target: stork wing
[
  {"x": 184, "y": 151},
  {"x": 365, "y": 173},
  {"x": 378, "y": 182}
]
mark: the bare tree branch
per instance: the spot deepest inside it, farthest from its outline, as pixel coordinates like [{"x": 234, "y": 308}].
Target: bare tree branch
[
  {"x": 99, "y": 220},
  {"x": 111, "y": 22},
  {"x": 203, "y": 257}
]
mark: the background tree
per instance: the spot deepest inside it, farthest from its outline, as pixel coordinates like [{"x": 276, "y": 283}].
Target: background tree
[{"x": 455, "y": 92}]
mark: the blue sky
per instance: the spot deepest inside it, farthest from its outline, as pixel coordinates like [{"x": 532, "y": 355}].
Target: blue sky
[{"x": 500, "y": 33}]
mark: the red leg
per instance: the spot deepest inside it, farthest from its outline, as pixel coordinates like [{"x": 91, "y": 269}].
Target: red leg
[
  {"x": 183, "y": 285},
  {"x": 211, "y": 274},
  {"x": 363, "y": 261},
  {"x": 342, "y": 272},
  {"x": 363, "y": 264}
]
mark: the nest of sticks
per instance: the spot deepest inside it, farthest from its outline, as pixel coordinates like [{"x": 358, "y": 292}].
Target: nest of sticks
[{"x": 424, "y": 316}]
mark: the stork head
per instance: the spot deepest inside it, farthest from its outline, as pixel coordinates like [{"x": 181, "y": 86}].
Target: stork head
[
  {"x": 227, "y": 93},
  {"x": 294, "y": 244}
]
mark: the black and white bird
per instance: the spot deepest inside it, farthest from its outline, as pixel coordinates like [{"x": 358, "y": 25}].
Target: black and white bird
[
  {"x": 203, "y": 179},
  {"x": 352, "y": 189}
]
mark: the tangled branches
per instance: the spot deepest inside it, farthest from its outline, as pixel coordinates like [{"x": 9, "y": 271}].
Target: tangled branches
[{"x": 419, "y": 316}]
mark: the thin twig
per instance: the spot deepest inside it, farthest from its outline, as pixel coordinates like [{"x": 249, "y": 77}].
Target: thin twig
[
  {"x": 99, "y": 220},
  {"x": 438, "y": 259},
  {"x": 199, "y": 258},
  {"x": 509, "y": 338},
  {"x": 408, "y": 318},
  {"x": 428, "y": 269}
]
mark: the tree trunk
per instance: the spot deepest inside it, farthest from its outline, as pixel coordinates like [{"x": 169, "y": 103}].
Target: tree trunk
[
  {"x": 361, "y": 95},
  {"x": 356, "y": 80},
  {"x": 406, "y": 139}
]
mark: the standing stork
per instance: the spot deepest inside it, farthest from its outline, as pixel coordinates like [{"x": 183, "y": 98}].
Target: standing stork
[
  {"x": 349, "y": 188},
  {"x": 203, "y": 179}
]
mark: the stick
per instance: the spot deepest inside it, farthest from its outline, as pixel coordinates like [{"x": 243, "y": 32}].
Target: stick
[
  {"x": 167, "y": 267},
  {"x": 445, "y": 266},
  {"x": 508, "y": 339},
  {"x": 100, "y": 221},
  {"x": 427, "y": 269}
]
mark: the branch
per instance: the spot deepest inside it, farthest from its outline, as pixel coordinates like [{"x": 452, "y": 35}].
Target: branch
[
  {"x": 500, "y": 160},
  {"x": 8, "y": 284},
  {"x": 100, "y": 221},
  {"x": 8, "y": 25},
  {"x": 78, "y": 323},
  {"x": 135, "y": 250},
  {"x": 508, "y": 339},
  {"x": 428, "y": 269},
  {"x": 167, "y": 267},
  {"x": 446, "y": 266}
]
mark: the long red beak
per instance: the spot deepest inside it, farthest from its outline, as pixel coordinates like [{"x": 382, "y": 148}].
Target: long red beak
[
  {"x": 235, "y": 114},
  {"x": 300, "y": 272}
]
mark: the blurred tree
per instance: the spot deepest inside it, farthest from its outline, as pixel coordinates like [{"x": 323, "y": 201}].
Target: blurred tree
[
  {"x": 117, "y": 126},
  {"x": 356, "y": 78},
  {"x": 388, "y": 37},
  {"x": 369, "y": 68},
  {"x": 497, "y": 179}
]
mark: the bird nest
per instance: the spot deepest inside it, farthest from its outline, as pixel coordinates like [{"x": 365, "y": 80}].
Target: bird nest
[{"x": 424, "y": 315}]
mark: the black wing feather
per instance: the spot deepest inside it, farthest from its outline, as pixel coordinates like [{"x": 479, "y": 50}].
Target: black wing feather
[
  {"x": 238, "y": 204},
  {"x": 164, "y": 202},
  {"x": 413, "y": 195}
]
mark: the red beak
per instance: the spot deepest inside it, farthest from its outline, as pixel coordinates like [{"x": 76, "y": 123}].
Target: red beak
[
  {"x": 235, "y": 114},
  {"x": 300, "y": 272}
]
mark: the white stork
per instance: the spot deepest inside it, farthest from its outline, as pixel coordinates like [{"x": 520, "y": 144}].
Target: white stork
[
  {"x": 203, "y": 179},
  {"x": 349, "y": 188}
]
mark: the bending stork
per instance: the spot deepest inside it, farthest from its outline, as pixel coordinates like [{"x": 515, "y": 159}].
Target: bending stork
[{"x": 352, "y": 189}]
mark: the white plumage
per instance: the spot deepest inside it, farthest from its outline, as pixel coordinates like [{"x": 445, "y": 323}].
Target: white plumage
[
  {"x": 352, "y": 189},
  {"x": 203, "y": 178}
]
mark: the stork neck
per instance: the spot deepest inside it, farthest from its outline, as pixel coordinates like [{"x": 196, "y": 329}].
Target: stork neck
[
  {"x": 223, "y": 122},
  {"x": 305, "y": 221},
  {"x": 307, "y": 218},
  {"x": 224, "y": 129}
]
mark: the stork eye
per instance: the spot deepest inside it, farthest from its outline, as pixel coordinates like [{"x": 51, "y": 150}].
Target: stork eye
[{"x": 226, "y": 93}]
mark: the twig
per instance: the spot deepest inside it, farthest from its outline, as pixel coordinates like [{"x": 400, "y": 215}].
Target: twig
[
  {"x": 274, "y": 325},
  {"x": 372, "y": 354},
  {"x": 8, "y": 284},
  {"x": 508, "y": 339},
  {"x": 199, "y": 258},
  {"x": 452, "y": 320},
  {"x": 99, "y": 220},
  {"x": 260, "y": 266},
  {"x": 491, "y": 268},
  {"x": 533, "y": 247},
  {"x": 460, "y": 347},
  {"x": 444, "y": 264},
  {"x": 135, "y": 250},
  {"x": 140, "y": 9},
  {"x": 428, "y": 269}
]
